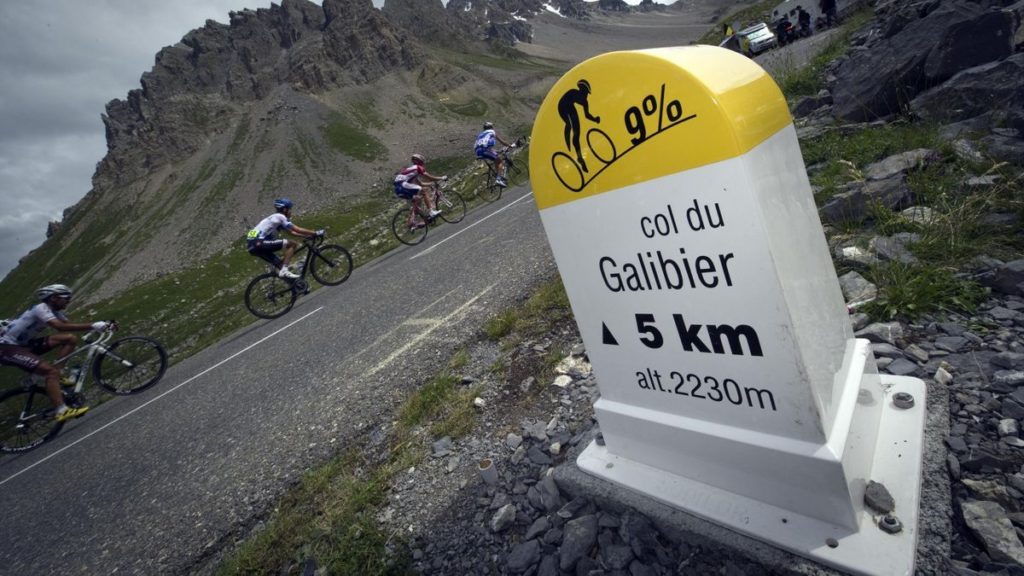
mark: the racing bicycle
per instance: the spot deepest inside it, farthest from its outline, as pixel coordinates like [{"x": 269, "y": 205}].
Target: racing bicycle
[
  {"x": 125, "y": 366},
  {"x": 269, "y": 296},
  {"x": 489, "y": 188},
  {"x": 411, "y": 228}
]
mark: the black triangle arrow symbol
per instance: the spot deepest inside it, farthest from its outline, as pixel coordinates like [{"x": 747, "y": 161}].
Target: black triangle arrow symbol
[{"x": 606, "y": 336}]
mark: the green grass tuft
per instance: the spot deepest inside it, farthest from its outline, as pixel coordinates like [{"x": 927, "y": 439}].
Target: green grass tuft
[
  {"x": 351, "y": 140},
  {"x": 548, "y": 305},
  {"x": 908, "y": 291}
]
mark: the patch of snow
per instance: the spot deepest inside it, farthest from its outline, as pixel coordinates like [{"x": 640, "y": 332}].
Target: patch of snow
[{"x": 553, "y": 10}]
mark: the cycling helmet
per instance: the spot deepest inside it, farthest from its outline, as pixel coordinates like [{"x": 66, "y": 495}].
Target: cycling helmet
[
  {"x": 53, "y": 290},
  {"x": 584, "y": 86},
  {"x": 282, "y": 203},
  {"x": 418, "y": 159},
  {"x": 488, "y": 125}
]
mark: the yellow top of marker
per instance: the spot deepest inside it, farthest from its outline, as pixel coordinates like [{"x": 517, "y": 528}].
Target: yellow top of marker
[{"x": 623, "y": 118}]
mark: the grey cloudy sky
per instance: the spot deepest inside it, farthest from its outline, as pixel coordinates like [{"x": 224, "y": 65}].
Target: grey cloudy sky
[{"x": 61, "y": 61}]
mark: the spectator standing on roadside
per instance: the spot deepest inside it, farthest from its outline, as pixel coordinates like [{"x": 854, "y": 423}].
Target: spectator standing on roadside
[{"x": 828, "y": 8}]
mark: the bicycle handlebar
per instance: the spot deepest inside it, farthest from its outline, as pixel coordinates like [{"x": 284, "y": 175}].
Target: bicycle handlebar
[
  {"x": 93, "y": 337},
  {"x": 315, "y": 239}
]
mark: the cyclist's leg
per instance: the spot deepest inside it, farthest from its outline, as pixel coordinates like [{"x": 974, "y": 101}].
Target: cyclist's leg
[
  {"x": 413, "y": 207},
  {"x": 50, "y": 373},
  {"x": 413, "y": 192},
  {"x": 65, "y": 344},
  {"x": 428, "y": 197},
  {"x": 486, "y": 163},
  {"x": 289, "y": 250},
  {"x": 29, "y": 361},
  {"x": 488, "y": 154},
  {"x": 51, "y": 378},
  {"x": 257, "y": 249}
]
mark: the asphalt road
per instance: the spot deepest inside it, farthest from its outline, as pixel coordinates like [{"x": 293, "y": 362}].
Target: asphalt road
[{"x": 155, "y": 483}]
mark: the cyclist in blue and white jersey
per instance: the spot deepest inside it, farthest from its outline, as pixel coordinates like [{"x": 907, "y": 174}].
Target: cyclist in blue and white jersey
[
  {"x": 21, "y": 346},
  {"x": 484, "y": 148},
  {"x": 409, "y": 186},
  {"x": 262, "y": 241}
]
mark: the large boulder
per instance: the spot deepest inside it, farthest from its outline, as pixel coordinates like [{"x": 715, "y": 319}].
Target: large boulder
[
  {"x": 854, "y": 203},
  {"x": 975, "y": 91},
  {"x": 918, "y": 50}
]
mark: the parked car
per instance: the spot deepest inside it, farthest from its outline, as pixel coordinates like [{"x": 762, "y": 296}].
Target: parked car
[{"x": 756, "y": 39}]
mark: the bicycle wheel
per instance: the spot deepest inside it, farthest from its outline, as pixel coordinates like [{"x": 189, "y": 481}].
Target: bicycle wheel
[
  {"x": 269, "y": 296},
  {"x": 406, "y": 234},
  {"x": 331, "y": 265},
  {"x": 514, "y": 167},
  {"x": 489, "y": 189},
  {"x": 130, "y": 365},
  {"x": 452, "y": 207},
  {"x": 26, "y": 419}
]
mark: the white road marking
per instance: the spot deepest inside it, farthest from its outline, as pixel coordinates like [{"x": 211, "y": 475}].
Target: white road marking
[
  {"x": 409, "y": 322},
  {"x": 123, "y": 416},
  {"x": 434, "y": 325},
  {"x": 480, "y": 221}
]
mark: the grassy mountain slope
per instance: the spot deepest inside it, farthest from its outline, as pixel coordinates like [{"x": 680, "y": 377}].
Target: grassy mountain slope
[
  {"x": 163, "y": 253},
  {"x": 322, "y": 150}
]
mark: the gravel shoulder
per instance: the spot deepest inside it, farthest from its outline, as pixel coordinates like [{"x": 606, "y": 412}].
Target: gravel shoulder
[{"x": 458, "y": 524}]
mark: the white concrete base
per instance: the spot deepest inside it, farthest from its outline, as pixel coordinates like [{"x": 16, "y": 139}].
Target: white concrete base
[{"x": 869, "y": 551}]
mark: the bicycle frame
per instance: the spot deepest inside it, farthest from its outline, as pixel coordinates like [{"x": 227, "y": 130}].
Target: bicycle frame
[
  {"x": 90, "y": 349},
  {"x": 309, "y": 247},
  {"x": 506, "y": 156},
  {"x": 420, "y": 207}
]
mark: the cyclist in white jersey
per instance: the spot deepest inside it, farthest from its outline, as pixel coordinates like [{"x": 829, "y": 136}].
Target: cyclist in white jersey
[
  {"x": 21, "y": 346},
  {"x": 262, "y": 241},
  {"x": 484, "y": 148}
]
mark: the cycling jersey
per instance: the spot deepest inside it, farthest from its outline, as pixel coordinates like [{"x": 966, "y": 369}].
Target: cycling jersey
[
  {"x": 22, "y": 330},
  {"x": 409, "y": 174},
  {"x": 268, "y": 228},
  {"x": 406, "y": 185},
  {"x": 484, "y": 140}
]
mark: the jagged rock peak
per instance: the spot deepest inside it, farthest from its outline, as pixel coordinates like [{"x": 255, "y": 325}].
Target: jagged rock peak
[{"x": 215, "y": 68}]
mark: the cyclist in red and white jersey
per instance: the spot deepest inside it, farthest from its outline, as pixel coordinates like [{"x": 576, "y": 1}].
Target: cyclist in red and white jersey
[
  {"x": 409, "y": 186},
  {"x": 21, "y": 346}
]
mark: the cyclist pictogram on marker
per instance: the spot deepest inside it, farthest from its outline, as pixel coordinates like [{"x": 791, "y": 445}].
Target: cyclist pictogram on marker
[
  {"x": 574, "y": 173},
  {"x": 567, "y": 112}
]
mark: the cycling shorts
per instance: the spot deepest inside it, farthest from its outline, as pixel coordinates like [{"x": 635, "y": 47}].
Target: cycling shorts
[
  {"x": 24, "y": 357},
  {"x": 265, "y": 245},
  {"x": 265, "y": 249},
  {"x": 406, "y": 190},
  {"x": 486, "y": 153}
]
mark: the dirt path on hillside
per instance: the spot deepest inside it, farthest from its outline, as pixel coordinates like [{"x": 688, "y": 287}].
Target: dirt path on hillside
[{"x": 574, "y": 41}]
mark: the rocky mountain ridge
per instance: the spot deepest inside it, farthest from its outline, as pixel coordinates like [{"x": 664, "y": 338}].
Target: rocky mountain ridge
[
  {"x": 287, "y": 100},
  {"x": 291, "y": 99}
]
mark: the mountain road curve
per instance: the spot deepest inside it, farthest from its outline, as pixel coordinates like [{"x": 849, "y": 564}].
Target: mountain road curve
[{"x": 154, "y": 483}]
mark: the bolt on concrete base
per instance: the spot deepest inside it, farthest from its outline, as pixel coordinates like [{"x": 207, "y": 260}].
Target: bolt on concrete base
[{"x": 747, "y": 525}]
